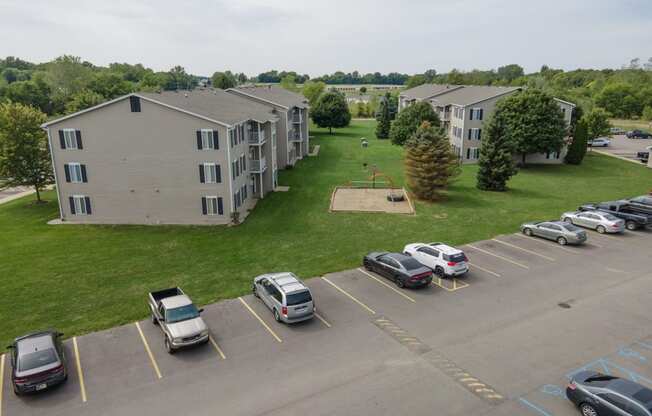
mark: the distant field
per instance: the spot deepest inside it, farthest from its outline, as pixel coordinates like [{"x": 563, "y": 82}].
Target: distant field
[{"x": 632, "y": 124}]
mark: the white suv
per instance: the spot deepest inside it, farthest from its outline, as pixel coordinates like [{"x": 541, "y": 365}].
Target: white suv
[{"x": 444, "y": 260}]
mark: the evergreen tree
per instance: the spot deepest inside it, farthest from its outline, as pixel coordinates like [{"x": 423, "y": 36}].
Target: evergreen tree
[
  {"x": 577, "y": 148},
  {"x": 383, "y": 118},
  {"x": 331, "y": 111},
  {"x": 410, "y": 119},
  {"x": 430, "y": 164},
  {"x": 496, "y": 163}
]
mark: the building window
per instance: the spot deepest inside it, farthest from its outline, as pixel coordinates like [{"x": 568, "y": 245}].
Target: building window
[
  {"x": 552, "y": 155},
  {"x": 80, "y": 205},
  {"x": 476, "y": 114},
  {"x": 232, "y": 137},
  {"x": 475, "y": 134},
  {"x": 210, "y": 173},
  {"x": 472, "y": 153},
  {"x": 70, "y": 139},
  {"x": 212, "y": 205},
  {"x": 207, "y": 139},
  {"x": 75, "y": 172}
]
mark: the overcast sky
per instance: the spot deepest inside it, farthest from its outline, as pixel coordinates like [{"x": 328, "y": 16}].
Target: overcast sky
[{"x": 323, "y": 36}]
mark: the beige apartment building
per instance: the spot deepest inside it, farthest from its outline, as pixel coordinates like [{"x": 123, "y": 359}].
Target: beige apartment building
[
  {"x": 186, "y": 157},
  {"x": 463, "y": 111}
]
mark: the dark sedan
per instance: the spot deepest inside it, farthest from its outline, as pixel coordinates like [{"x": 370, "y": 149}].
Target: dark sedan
[
  {"x": 597, "y": 394},
  {"x": 399, "y": 268},
  {"x": 38, "y": 362}
]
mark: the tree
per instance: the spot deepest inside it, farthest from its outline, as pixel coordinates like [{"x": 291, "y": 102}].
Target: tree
[
  {"x": 415, "y": 81},
  {"x": 510, "y": 72},
  {"x": 180, "y": 80},
  {"x": 289, "y": 83},
  {"x": 109, "y": 85},
  {"x": 363, "y": 90},
  {"x": 383, "y": 118},
  {"x": 224, "y": 80},
  {"x": 312, "y": 91},
  {"x": 67, "y": 75},
  {"x": 597, "y": 123},
  {"x": 577, "y": 148},
  {"x": 361, "y": 109},
  {"x": 410, "y": 119},
  {"x": 35, "y": 93},
  {"x": 430, "y": 163},
  {"x": 647, "y": 113},
  {"x": 24, "y": 151},
  {"x": 534, "y": 122},
  {"x": 82, "y": 100},
  {"x": 619, "y": 99},
  {"x": 496, "y": 162},
  {"x": 331, "y": 111}
]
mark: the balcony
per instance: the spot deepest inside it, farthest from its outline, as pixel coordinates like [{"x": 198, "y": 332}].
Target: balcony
[
  {"x": 296, "y": 118},
  {"x": 445, "y": 115},
  {"x": 257, "y": 138},
  {"x": 294, "y": 135},
  {"x": 258, "y": 165}
]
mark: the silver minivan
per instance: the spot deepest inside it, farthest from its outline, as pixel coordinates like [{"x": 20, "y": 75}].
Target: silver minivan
[{"x": 285, "y": 295}]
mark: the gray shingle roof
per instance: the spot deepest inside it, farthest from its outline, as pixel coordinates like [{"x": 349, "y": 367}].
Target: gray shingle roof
[
  {"x": 425, "y": 91},
  {"x": 274, "y": 94},
  {"x": 471, "y": 94},
  {"x": 215, "y": 104}
]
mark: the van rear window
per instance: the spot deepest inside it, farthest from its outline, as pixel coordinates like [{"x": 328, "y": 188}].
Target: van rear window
[
  {"x": 298, "y": 298},
  {"x": 457, "y": 258}
]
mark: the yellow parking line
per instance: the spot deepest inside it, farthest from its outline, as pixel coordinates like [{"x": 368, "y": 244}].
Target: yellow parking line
[
  {"x": 546, "y": 242},
  {"x": 260, "y": 320},
  {"x": 149, "y": 351},
  {"x": 522, "y": 249},
  {"x": 321, "y": 318},
  {"x": 2, "y": 378},
  {"x": 386, "y": 285},
  {"x": 349, "y": 296},
  {"x": 437, "y": 281},
  {"x": 483, "y": 269},
  {"x": 507, "y": 259},
  {"x": 80, "y": 373},
  {"x": 217, "y": 347}
]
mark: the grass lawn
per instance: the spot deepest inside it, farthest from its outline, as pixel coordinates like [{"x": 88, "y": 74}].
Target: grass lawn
[
  {"x": 83, "y": 278},
  {"x": 632, "y": 124}
]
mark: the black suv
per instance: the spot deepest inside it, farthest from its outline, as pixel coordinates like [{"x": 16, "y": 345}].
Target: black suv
[
  {"x": 38, "y": 362},
  {"x": 638, "y": 134},
  {"x": 597, "y": 394}
]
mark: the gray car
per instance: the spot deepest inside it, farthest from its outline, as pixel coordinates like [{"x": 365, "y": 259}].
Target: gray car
[
  {"x": 602, "y": 222},
  {"x": 286, "y": 296},
  {"x": 38, "y": 362},
  {"x": 559, "y": 231}
]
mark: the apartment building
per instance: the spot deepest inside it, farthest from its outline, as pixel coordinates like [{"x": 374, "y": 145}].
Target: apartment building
[
  {"x": 463, "y": 111},
  {"x": 186, "y": 157},
  {"x": 292, "y": 109}
]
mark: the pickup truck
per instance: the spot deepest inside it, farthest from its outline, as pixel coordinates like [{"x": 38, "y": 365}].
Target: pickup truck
[
  {"x": 634, "y": 218},
  {"x": 178, "y": 318}
]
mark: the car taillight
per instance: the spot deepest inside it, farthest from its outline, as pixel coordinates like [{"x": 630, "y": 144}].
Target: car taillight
[
  {"x": 284, "y": 310},
  {"x": 572, "y": 385},
  {"x": 21, "y": 380},
  {"x": 452, "y": 263}
]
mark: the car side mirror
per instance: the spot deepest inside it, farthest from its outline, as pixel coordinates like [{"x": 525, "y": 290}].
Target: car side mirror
[
  {"x": 10, "y": 347},
  {"x": 200, "y": 310}
]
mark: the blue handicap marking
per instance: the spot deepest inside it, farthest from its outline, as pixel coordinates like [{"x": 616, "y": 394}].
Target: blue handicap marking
[
  {"x": 552, "y": 390},
  {"x": 630, "y": 353},
  {"x": 540, "y": 410}
]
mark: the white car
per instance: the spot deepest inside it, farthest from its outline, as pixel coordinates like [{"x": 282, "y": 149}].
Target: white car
[
  {"x": 602, "y": 222},
  {"x": 600, "y": 142},
  {"x": 444, "y": 260}
]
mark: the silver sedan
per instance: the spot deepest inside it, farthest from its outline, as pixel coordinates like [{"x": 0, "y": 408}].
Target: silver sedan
[
  {"x": 602, "y": 222},
  {"x": 559, "y": 231}
]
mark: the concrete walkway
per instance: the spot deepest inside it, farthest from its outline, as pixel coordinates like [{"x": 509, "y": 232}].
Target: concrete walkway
[{"x": 10, "y": 194}]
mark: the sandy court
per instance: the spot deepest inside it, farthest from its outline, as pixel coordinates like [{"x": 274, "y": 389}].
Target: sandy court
[{"x": 369, "y": 200}]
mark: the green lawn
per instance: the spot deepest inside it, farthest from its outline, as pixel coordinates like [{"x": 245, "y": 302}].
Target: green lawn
[{"x": 83, "y": 278}]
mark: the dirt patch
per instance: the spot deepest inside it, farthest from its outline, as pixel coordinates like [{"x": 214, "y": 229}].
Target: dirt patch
[{"x": 369, "y": 200}]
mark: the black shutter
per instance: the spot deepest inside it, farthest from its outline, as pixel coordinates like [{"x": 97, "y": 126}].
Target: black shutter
[
  {"x": 470, "y": 130},
  {"x": 481, "y": 113},
  {"x": 66, "y": 169},
  {"x": 204, "y": 210},
  {"x": 468, "y": 153},
  {"x": 83, "y": 172},
  {"x": 244, "y": 163},
  {"x": 218, "y": 173},
  {"x": 199, "y": 144},
  {"x": 72, "y": 205},
  {"x": 202, "y": 178},
  {"x": 79, "y": 140},
  {"x": 470, "y": 114},
  {"x": 88, "y": 205},
  {"x": 479, "y": 134},
  {"x": 220, "y": 207},
  {"x": 62, "y": 140},
  {"x": 216, "y": 142}
]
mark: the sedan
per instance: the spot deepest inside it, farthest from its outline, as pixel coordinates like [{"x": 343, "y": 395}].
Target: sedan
[
  {"x": 602, "y": 222},
  {"x": 597, "y": 394},
  {"x": 638, "y": 134},
  {"x": 401, "y": 269},
  {"x": 600, "y": 142},
  {"x": 559, "y": 231},
  {"x": 616, "y": 130},
  {"x": 38, "y": 362}
]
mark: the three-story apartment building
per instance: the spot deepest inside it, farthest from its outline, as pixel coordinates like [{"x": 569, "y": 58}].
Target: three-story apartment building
[
  {"x": 463, "y": 111},
  {"x": 192, "y": 157}
]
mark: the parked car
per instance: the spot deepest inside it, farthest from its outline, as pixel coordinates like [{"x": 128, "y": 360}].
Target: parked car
[
  {"x": 401, "y": 269},
  {"x": 559, "y": 231},
  {"x": 644, "y": 157},
  {"x": 635, "y": 217},
  {"x": 616, "y": 130},
  {"x": 597, "y": 394},
  {"x": 179, "y": 319},
  {"x": 38, "y": 362},
  {"x": 638, "y": 134},
  {"x": 444, "y": 260},
  {"x": 600, "y": 142},
  {"x": 599, "y": 221},
  {"x": 286, "y": 296}
]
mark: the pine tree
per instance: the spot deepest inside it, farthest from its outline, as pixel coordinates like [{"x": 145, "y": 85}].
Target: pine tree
[
  {"x": 496, "y": 162},
  {"x": 384, "y": 119},
  {"x": 577, "y": 148},
  {"x": 430, "y": 164}
]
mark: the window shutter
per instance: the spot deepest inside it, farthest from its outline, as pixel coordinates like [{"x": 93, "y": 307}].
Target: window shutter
[
  {"x": 244, "y": 163},
  {"x": 204, "y": 210},
  {"x": 199, "y": 144},
  {"x": 468, "y": 153},
  {"x": 135, "y": 104},
  {"x": 72, "y": 205},
  {"x": 79, "y": 140},
  {"x": 66, "y": 169},
  {"x": 471, "y": 114},
  {"x": 470, "y": 132},
  {"x": 62, "y": 140},
  {"x": 88, "y": 205},
  {"x": 202, "y": 178},
  {"x": 479, "y": 134},
  {"x": 218, "y": 173},
  {"x": 216, "y": 142},
  {"x": 220, "y": 207},
  {"x": 83, "y": 172},
  {"x": 481, "y": 113}
]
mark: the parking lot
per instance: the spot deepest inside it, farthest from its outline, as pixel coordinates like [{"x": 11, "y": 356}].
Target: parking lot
[
  {"x": 501, "y": 340},
  {"x": 624, "y": 147}
]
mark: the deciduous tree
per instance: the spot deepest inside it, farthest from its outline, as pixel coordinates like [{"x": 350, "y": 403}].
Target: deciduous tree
[
  {"x": 597, "y": 123},
  {"x": 312, "y": 91},
  {"x": 82, "y": 100},
  {"x": 331, "y": 111},
  {"x": 224, "y": 80},
  {"x": 410, "y": 119}
]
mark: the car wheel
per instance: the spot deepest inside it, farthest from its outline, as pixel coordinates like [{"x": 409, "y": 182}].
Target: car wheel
[
  {"x": 631, "y": 225},
  {"x": 568, "y": 220},
  {"x": 588, "y": 410},
  {"x": 400, "y": 283},
  {"x": 528, "y": 232},
  {"x": 439, "y": 271},
  {"x": 277, "y": 316},
  {"x": 154, "y": 321},
  {"x": 601, "y": 229},
  {"x": 562, "y": 241},
  {"x": 168, "y": 346}
]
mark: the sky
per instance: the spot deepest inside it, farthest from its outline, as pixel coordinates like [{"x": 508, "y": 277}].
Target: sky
[{"x": 322, "y": 36}]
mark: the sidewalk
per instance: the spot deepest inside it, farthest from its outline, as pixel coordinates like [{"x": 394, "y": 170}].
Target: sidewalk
[{"x": 10, "y": 194}]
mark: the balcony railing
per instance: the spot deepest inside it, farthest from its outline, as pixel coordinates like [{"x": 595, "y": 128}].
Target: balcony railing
[
  {"x": 445, "y": 115},
  {"x": 258, "y": 165},
  {"x": 257, "y": 138},
  {"x": 296, "y": 118},
  {"x": 294, "y": 135}
]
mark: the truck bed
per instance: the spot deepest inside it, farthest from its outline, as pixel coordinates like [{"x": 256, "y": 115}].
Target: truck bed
[{"x": 159, "y": 295}]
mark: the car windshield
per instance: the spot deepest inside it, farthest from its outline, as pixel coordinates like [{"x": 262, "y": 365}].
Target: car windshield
[
  {"x": 643, "y": 200},
  {"x": 571, "y": 227},
  {"x": 457, "y": 258},
  {"x": 181, "y": 314},
  {"x": 411, "y": 264},
  {"x": 298, "y": 298},
  {"x": 37, "y": 359}
]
